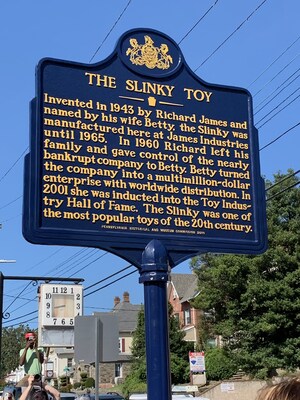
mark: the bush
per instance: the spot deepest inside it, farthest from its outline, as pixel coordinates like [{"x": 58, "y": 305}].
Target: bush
[
  {"x": 219, "y": 365},
  {"x": 89, "y": 383},
  {"x": 83, "y": 376},
  {"x": 132, "y": 384},
  {"x": 76, "y": 385},
  {"x": 179, "y": 370}
]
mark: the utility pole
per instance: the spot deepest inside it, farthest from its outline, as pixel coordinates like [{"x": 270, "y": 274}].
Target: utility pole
[{"x": 1, "y": 305}]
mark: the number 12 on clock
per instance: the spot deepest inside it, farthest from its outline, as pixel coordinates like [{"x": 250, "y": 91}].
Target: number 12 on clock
[{"x": 60, "y": 304}]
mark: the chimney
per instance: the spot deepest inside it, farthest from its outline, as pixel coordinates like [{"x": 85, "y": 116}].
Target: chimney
[
  {"x": 116, "y": 300},
  {"x": 126, "y": 297}
]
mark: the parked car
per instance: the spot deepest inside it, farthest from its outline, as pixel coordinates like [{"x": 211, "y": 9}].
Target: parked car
[
  {"x": 68, "y": 396},
  {"x": 143, "y": 396},
  {"x": 108, "y": 396}
]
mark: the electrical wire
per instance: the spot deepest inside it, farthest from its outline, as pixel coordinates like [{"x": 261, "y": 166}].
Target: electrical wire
[
  {"x": 104, "y": 40},
  {"x": 9, "y": 219},
  {"x": 292, "y": 101},
  {"x": 27, "y": 148},
  {"x": 274, "y": 77},
  {"x": 108, "y": 277},
  {"x": 22, "y": 322},
  {"x": 278, "y": 137},
  {"x": 108, "y": 284},
  {"x": 92, "y": 262},
  {"x": 16, "y": 298},
  {"x": 30, "y": 313},
  {"x": 199, "y": 20},
  {"x": 278, "y": 105},
  {"x": 11, "y": 202},
  {"x": 283, "y": 190},
  {"x": 228, "y": 37},
  {"x": 283, "y": 179},
  {"x": 17, "y": 160},
  {"x": 274, "y": 61},
  {"x": 274, "y": 97}
]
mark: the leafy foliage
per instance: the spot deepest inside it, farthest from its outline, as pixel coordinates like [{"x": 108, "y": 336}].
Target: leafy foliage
[
  {"x": 219, "y": 364},
  {"x": 254, "y": 301},
  {"x": 12, "y": 342},
  {"x": 89, "y": 383},
  {"x": 179, "y": 350}
]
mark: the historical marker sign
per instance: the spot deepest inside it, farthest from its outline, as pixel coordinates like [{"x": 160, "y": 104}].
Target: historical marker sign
[{"x": 138, "y": 147}]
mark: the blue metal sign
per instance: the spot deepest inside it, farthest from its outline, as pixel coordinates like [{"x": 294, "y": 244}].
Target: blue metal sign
[{"x": 137, "y": 147}]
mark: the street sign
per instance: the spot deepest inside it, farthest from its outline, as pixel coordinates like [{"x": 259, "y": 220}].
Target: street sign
[
  {"x": 137, "y": 147},
  {"x": 197, "y": 361}
]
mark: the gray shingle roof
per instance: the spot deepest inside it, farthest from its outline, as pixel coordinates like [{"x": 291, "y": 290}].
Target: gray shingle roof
[
  {"x": 185, "y": 286},
  {"x": 127, "y": 314}
]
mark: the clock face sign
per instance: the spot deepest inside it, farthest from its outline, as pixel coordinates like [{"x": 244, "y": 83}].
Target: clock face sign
[{"x": 60, "y": 304}]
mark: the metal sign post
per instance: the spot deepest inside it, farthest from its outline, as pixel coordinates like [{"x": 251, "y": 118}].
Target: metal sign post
[{"x": 154, "y": 275}]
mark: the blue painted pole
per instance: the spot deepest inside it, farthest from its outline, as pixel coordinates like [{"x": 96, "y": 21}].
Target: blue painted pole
[{"x": 154, "y": 275}]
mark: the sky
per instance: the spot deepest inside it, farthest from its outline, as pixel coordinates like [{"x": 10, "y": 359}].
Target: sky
[{"x": 252, "y": 44}]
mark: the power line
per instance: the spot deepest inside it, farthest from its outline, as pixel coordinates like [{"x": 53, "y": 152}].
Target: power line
[
  {"x": 279, "y": 111},
  {"x": 22, "y": 322},
  {"x": 18, "y": 159},
  {"x": 30, "y": 313},
  {"x": 283, "y": 190},
  {"x": 278, "y": 105},
  {"x": 89, "y": 62},
  {"x": 108, "y": 277},
  {"x": 17, "y": 297},
  {"x": 283, "y": 179},
  {"x": 74, "y": 260},
  {"x": 278, "y": 87},
  {"x": 108, "y": 284},
  {"x": 11, "y": 202},
  {"x": 228, "y": 37},
  {"x": 274, "y": 97},
  {"x": 110, "y": 30},
  {"x": 9, "y": 219},
  {"x": 102, "y": 255},
  {"x": 274, "y": 61},
  {"x": 199, "y": 20},
  {"x": 271, "y": 80},
  {"x": 280, "y": 136}
]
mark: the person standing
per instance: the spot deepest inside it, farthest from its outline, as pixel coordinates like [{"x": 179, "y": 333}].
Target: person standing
[{"x": 31, "y": 357}]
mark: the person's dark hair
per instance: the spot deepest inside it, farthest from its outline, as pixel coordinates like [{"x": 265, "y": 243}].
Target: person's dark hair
[
  {"x": 285, "y": 390},
  {"x": 38, "y": 393}
]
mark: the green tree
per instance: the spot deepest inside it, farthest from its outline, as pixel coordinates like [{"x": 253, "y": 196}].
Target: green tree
[
  {"x": 179, "y": 350},
  {"x": 12, "y": 342},
  {"x": 254, "y": 301}
]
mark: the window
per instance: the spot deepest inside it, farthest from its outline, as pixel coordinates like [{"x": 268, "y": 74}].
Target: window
[
  {"x": 121, "y": 345},
  {"x": 118, "y": 370},
  {"x": 70, "y": 362},
  {"x": 187, "y": 317}
]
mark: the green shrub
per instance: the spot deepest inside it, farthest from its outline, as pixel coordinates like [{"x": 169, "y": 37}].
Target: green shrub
[
  {"x": 219, "y": 365},
  {"x": 89, "y": 383},
  {"x": 132, "y": 384},
  {"x": 76, "y": 385}
]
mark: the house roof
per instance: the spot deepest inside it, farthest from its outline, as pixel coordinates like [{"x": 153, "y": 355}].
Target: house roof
[
  {"x": 185, "y": 285},
  {"x": 127, "y": 314}
]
